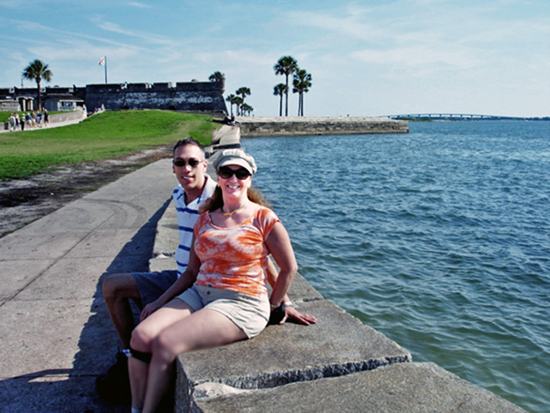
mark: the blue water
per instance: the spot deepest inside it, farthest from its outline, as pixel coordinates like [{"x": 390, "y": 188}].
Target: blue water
[{"x": 439, "y": 239}]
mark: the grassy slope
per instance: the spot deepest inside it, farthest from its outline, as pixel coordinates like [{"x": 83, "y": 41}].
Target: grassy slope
[{"x": 102, "y": 136}]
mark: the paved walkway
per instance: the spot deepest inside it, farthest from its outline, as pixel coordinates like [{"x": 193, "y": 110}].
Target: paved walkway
[{"x": 54, "y": 328}]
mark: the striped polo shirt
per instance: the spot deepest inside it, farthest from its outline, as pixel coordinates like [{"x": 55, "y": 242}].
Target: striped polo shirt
[{"x": 187, "y": 216}]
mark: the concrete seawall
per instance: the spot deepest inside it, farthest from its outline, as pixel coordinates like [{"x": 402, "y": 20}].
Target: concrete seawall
[
  {"x": 338, "y": 364},
  {"x": 307, "y": 126}
]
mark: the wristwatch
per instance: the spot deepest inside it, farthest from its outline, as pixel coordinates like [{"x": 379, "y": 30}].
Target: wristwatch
[{"x": 282, "y": 306}]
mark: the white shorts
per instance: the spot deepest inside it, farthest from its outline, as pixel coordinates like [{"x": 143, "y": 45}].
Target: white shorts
[{"x": 250, "y": 314}]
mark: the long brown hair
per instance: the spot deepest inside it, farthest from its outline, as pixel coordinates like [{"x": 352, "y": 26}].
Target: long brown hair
[{"x": 216, "y": 200}]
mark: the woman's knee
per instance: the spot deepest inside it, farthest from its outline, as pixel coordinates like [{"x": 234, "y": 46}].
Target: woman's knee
[
  {"x": 163, "y": 346},
  {"x": 141, "y": 339}
]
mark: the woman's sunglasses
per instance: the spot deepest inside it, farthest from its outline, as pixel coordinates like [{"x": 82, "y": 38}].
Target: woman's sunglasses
[
  {"x": 226, "y": 173},
  {"x": 182, "y": 162}
]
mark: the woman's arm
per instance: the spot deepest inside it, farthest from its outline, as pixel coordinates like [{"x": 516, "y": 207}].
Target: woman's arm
[
  {"x": 185, "y": 281},
  {"x": 291, "y": 312},
  {"x": 278, "y": 243}
]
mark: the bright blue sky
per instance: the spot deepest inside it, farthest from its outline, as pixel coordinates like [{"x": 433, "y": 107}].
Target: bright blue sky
[{"x": 366, "y": 57}]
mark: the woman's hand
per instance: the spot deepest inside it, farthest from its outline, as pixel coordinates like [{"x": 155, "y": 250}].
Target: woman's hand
[
  {"x": 149, "y": 309},
  {"x": 295, "y": 315},
  {"x": 280, "y": 316}
]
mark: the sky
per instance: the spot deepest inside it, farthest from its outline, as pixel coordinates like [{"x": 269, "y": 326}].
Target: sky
[{"x": 366, "y": 58}]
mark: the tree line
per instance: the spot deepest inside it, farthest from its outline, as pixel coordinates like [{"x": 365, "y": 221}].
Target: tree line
[{"x": 286, "y": 66}]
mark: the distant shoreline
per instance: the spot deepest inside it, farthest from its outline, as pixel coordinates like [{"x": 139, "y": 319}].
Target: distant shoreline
[{"x": 260, "y": 126}]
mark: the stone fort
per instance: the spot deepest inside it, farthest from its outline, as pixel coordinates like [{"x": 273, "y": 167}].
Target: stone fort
[{"x": 194, "y": 96}]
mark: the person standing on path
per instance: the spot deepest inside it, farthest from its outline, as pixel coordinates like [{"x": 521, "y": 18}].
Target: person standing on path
[{"x": 12, "y": 122}]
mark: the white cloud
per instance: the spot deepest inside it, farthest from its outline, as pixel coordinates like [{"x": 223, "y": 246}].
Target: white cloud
[
  {"x": 149, "y": 38},
  {"x": 421, "y": 56},
  {"x": 139, "y": 5}
]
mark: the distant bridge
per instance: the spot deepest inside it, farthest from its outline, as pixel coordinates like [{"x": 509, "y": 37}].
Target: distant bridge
[{"x": 452, "y": 116}]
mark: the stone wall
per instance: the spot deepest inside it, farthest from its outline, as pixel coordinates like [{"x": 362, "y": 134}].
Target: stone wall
[
  {"x": 78, "y": 114},
  {"x": 303, "y": 126},
  {"x": 190, "y": 96},
  {"x": 9, "y": 105}
]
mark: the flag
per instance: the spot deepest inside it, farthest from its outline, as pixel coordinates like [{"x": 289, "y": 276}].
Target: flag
[{"x": 102, "y": 61}]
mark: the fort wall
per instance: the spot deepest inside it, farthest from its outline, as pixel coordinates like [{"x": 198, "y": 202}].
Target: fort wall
[{"x": 192, "y": 96}]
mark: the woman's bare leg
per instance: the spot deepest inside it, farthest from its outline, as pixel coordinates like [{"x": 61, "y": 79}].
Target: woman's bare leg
[
  {"x": 202, "y": 329},
  {"x": 142, "y": 340},
  {"x": 138, "y": 372}
]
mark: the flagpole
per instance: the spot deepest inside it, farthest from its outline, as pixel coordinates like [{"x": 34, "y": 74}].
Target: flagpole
[{"x": 105, "y": 69}]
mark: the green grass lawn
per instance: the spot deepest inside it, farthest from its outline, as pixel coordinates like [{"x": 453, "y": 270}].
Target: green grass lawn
[{"x": 101, "y": 136}]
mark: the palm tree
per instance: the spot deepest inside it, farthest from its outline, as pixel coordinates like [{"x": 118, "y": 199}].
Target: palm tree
[
  {"x": 286, "y": 65},
  {"x": 279, "y": 90},
  {"x": 243, "y": 92},
  {"x": 217, "y": 77},
  {"x": 238, "y": 101},
  {"x": 37, "y": 71},
  {"x": 247, "y": 109},
  {"x": 231, "y": 100},
  {"x": 302, "y": 83}
]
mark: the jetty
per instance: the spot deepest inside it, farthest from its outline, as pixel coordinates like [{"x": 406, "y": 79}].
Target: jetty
[{"x": 256, "y": 126}]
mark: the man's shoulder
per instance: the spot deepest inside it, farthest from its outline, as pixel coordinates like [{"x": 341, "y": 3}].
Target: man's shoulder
[
  {"x": 178, "y": 191},
  {"x": 209, "y": 188}
]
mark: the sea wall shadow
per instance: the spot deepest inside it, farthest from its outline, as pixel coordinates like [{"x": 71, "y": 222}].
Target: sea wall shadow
[{"x": 71, "y": 390}]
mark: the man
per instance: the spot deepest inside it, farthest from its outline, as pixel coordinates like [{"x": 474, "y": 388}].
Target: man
[{"x": 195, "y": 186}]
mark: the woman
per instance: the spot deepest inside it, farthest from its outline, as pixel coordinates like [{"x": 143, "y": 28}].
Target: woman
[{"x": 222, "y": 296}]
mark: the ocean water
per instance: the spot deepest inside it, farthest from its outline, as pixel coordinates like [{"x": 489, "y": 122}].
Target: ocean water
[{"x": 439, "y": 239}]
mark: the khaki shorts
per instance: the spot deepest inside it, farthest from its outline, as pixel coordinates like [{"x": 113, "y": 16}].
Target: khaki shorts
[{"x": 249, "y": 313}]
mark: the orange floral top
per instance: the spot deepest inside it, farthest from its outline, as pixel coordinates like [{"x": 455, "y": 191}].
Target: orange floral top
[{"x": 235, "y": 258}]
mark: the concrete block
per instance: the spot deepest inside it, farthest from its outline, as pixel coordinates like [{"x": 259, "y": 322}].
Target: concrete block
[
  {"x": 337, "y": 345},
  {"x": 403, "y": 387},
  {"x": 167, "y": 238},
  {"x": 162, "y": 263},
  {"x": 302, "y": 291}
]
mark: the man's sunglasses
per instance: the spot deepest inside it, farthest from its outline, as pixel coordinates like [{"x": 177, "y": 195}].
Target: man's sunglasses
[
  {"x": 182, "y": 162},
  {"x": 226, "y": 173}
]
